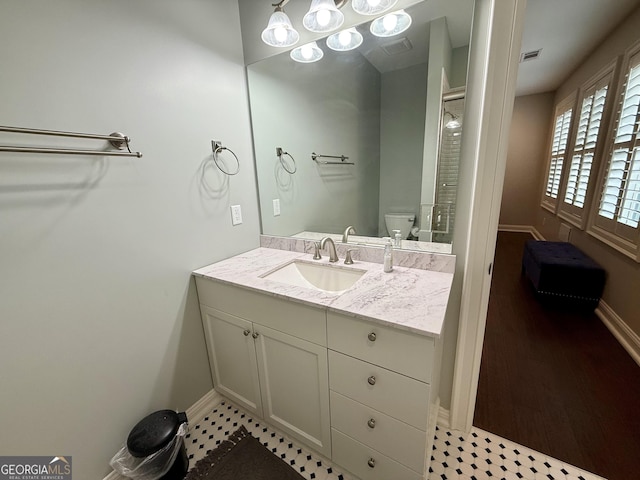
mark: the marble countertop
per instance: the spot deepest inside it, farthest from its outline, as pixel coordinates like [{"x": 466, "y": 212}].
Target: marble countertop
[{"x": 407, "y": 298}]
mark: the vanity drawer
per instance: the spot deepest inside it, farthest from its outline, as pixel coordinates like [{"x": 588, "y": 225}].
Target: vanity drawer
[
  {"x": 400, "y": 397},
  {"x": 302, "y": 321},
  {"x": 355, "y": 457},
  {"x": 389, "y": 436},
  {"x": 397, "y": 350}
]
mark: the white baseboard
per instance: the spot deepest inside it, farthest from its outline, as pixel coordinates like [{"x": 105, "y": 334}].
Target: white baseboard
[
  {"x": 521, "y": 229},
  {"x": 443, "y": 418},
  {"x": 202, "y": 407},
  {"x": 536, "y": 234},
  {"x": 195, "y": 413},
  {"x": 623, "y": 333}
]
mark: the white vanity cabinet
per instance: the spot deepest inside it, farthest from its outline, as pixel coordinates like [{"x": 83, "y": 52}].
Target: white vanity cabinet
[
  {"x": 383, "y": 398},
  {"x": 270, "y": 357},
  {"x": 362, "y": 393}
]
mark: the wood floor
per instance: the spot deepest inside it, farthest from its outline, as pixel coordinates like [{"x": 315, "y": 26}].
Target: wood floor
[{"x": 554, "y": 381}]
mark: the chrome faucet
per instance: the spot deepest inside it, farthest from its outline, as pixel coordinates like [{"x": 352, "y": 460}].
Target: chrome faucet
[
  {"x": 347, "y": 231},
  {"x": 333, "y": 255}
]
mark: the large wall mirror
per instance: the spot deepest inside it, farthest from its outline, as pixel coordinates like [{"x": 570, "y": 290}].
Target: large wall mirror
[{"x": 383, "y": 122}]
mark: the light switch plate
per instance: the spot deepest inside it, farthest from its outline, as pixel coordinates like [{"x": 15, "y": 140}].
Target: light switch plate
[
  {"x": 276, "y": 207},
  {"x": 236, "y": 215}
]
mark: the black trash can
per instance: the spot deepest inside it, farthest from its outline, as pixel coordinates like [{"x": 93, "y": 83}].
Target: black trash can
[{"x": 155, "y": 432}]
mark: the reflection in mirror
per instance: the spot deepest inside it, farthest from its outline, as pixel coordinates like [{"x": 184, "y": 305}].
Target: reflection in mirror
[
  {"x": 438, "y": 219},
  {"x": 373, "y": 119}
]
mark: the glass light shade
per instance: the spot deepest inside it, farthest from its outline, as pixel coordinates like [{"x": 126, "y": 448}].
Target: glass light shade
[
  {"x": 454, "y": 120},
  {"x": 345, "y": 40},
  {"x": 372, "y": 7},
  {"x": 323, "y": 16},
  {"x": 453, "y": 123},
  {"x": 391, "y": 24},
  {"x": 279, "y": 31},
  {"x": 307, "y": 53}
]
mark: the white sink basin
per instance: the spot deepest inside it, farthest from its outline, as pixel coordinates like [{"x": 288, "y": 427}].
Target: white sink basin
[{"x": 330, "y": 278}]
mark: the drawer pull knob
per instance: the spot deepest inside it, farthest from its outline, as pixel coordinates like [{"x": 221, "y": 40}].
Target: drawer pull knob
[
  {"x": 371, "y": 380},
  {"x": 372, "y": 423},
  {"x": 255, "y": 334},
  {"x": 246, "y": 333},
  {"x": 372, "y": 336},
  {"x": 372, "y": 462}
]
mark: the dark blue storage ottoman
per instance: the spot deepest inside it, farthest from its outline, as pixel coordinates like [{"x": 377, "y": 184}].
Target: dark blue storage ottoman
[{"x": 562, "y": 273}]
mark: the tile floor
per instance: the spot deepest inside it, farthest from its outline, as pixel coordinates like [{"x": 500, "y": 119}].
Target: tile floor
[{"x": 478, "y": 455}]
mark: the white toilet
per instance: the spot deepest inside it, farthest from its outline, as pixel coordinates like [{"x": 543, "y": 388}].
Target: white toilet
[{"x": 399, "y": 221}]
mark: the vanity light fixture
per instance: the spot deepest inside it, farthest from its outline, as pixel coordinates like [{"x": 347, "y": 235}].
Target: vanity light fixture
[
  {"x": 454, "y": 122},
  {"x": 391, "y": 24},
  {"x": 279, "y": 31},
  {"x": 372, "y": 7},
  {"x": 345, "y": 40},
  {"x": 323, "y": 16},
  {"x": 307, "y": 53}
]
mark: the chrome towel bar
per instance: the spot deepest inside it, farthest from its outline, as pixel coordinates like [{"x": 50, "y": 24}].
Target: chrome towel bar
[
  {"x": 116, "y": 139},
  {"x": 315, "y": 156}
]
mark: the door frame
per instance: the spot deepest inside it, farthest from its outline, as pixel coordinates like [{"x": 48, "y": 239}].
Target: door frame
[{"x": 493, "y": 65}]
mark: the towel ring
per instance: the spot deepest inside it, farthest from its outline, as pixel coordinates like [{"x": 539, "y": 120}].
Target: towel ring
[
  {"x": 280, "y": 153},
  {"x": 217, "y": 148}
]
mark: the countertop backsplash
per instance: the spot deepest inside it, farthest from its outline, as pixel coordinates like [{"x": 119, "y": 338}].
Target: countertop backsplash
[{"x": 438, "y": 262}]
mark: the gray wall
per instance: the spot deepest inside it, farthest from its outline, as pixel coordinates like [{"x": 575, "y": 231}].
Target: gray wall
[
  {"x": 99, "y": 316},
  {"x": 459, "y": 63},
  {"x": 330, "y": 108},
  {"x": 528, "y": 148},
  {"x": 401, "y": 141}
]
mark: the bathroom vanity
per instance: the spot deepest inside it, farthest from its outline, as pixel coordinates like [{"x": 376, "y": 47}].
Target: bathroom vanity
[{"x": 352, "y": 373}]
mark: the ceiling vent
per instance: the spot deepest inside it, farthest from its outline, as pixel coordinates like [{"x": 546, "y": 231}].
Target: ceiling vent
[
  {"x": 396, "y": 47},
  {"x": 532, "y": 55}
]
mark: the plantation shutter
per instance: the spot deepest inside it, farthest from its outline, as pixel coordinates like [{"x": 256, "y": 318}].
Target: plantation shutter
[
  {"x": 620, "y": 199},
  {"x": 558, "y": 152},
  {"x": 589, "y": 124}
]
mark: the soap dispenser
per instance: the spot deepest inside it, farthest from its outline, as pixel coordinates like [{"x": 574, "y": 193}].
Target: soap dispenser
[
  {"x": 388, "y": 255},
  {"x": 397, "y": 238}
]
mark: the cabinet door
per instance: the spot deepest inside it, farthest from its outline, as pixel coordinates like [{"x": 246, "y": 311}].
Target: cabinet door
[
  {"x": 232, "y": 357},
  {"x": 295, "y": 387}
]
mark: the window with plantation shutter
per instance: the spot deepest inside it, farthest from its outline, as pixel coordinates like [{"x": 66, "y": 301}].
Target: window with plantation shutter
[
  {"x": 586, "y": 152},
  {"x": 621, "y": 196},
  {"x": 618, "y": 210},
  {"x": 583, "y": 153},
  {"x": 558, "y": 152}
]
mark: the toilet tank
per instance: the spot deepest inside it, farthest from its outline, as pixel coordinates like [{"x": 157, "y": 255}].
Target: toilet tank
[{"x": 399, "y": 221}]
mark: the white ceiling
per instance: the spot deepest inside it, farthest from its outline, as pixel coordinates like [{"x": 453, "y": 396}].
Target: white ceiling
[{"x": 567, "y": 31}]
